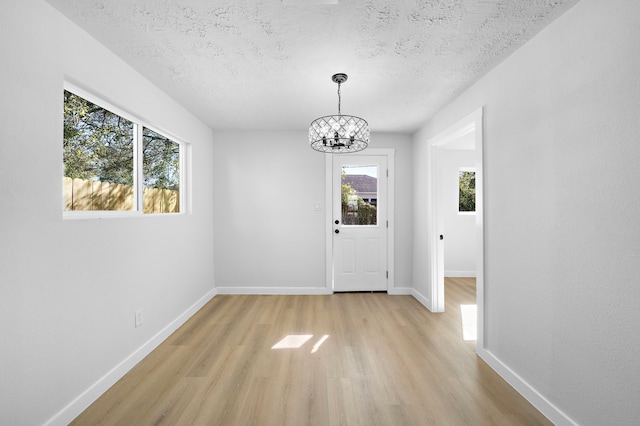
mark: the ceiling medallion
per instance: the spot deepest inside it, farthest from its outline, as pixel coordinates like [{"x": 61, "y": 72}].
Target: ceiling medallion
[{"x": 339, "y": 134}]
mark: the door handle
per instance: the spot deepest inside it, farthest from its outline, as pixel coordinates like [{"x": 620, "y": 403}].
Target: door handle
[
  {"x": 337, "y": 221},
  {"x": 337, "y": 231}
]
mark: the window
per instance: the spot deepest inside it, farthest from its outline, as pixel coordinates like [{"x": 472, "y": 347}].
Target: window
[
  {"x": 359, "y": 195},
  {"x": 114, "y": 164},
  {"x": 467, "y": 190},
  {"x": 161, "y": 171}
]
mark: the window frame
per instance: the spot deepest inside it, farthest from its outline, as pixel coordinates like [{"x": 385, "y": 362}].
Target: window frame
[{"x": 138, "y": 177}]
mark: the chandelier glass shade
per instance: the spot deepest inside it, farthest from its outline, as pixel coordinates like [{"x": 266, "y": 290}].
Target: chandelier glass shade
[{"x": 339, "y": 134}]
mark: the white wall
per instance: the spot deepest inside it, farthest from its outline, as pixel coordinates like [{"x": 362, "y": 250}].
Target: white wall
[
  {"x": 69, "y": 288},
  {"x": 459, "y": 229},
  {"x": 562, "y": 222},
  {"x": 268, "y": 234},
  {"x": 269, "y": 238},
  {"x": 421, "y": 266},
  {"x": 403, "y": 200}
]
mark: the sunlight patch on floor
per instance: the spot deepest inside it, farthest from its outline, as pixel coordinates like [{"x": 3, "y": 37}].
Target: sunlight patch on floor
[
  {"x": 296, "y": 341},
  {"x": 292, "y": 341},
  {"x": 319, "y": 343},
  {"x": 469, "y": 316}
]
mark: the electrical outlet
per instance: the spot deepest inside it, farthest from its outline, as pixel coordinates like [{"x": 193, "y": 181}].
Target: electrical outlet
[{"x": 139, "y": 319}]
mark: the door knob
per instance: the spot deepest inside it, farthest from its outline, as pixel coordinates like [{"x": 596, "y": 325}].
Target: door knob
[
  {"x": 337, "y": 221},
  {"x": 337, "y": 231}
]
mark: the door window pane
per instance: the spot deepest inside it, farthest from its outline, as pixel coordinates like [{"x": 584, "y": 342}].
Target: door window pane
[{"x": 359, "y": 195}]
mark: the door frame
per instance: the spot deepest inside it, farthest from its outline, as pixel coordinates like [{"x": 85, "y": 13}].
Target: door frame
[
  {"x": 390, "y": 154},
  {"x": 470, "y": 123}
]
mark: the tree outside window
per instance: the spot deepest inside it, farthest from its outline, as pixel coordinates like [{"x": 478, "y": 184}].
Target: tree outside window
[{"x": 467, "y": 191}]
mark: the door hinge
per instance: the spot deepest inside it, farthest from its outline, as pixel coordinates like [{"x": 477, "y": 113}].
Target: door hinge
[
  {"x": 387, "y": 224},
  {"x": 387, "y": 274},
  {"x": 387, "y": 172}
]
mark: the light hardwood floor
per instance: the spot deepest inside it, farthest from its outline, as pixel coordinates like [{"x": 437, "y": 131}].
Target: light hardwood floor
[{"x": 386, "y": 361}]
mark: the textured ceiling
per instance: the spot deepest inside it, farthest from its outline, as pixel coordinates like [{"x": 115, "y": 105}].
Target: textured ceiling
[{"x": 267, "y": 64}]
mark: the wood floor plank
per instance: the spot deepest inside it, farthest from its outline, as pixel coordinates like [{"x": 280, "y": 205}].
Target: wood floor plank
[{"x": 367, "y": 359}]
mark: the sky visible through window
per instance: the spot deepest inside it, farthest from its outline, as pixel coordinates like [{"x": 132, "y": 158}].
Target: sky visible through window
[{"x": 364, "y": 170}]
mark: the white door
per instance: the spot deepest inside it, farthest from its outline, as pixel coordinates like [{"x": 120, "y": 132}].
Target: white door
[{"x": 359, "y": 222}]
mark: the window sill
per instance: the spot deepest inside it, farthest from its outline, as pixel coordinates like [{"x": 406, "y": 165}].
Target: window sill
[{"x": 104, "y": 214}]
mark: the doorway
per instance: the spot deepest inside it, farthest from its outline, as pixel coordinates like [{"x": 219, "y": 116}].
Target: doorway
[
  {"x": 467, "y": 130},
  {"x": 359, "y": 221}
]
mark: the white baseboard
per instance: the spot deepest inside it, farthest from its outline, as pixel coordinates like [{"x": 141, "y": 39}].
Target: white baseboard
[
  {"x": 460, "y": 274},
  {"x": 296, "y": 290},
  {"x": 86, "y": 398},
  {"x": 421, "y": 298},
  {"x": 274, "y": 290},
  {"x": 400, "y": 291},
  {"x": 553, "y": 413}
]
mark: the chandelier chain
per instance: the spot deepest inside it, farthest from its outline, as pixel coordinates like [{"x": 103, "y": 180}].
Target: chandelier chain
[{"x": 339, "y": 100}]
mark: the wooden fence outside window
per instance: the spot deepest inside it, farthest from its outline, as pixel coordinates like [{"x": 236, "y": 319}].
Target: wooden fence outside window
[{"x": 86, "y": 195}]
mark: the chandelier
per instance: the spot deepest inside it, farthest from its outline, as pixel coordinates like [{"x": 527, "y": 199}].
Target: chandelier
[{"x": 339, "y": 134}]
